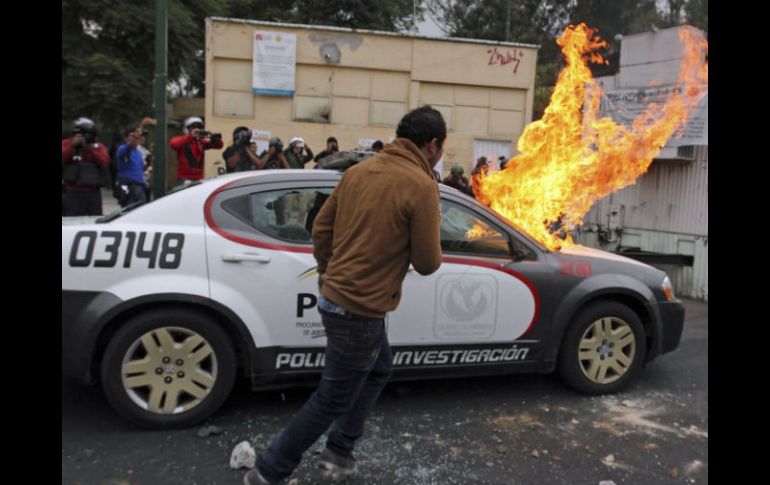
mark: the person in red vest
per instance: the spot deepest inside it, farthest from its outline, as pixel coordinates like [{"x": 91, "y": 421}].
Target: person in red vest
[{"x": 190, "y": 147}]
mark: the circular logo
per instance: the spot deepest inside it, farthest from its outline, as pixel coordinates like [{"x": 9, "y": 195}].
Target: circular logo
[{"x": 465, "y": 301}]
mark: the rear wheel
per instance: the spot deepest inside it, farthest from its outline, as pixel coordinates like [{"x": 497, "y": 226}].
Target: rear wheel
[
  {"x": 603, "y": 348},
  {"x": 168, "y": 368}
]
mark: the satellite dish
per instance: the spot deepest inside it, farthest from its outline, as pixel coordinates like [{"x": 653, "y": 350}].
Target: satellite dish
[{"x": 331, "y": 53}]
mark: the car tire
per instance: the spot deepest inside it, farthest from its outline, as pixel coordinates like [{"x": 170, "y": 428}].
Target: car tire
[
  {"x": 168, "y": 368},
  {"x": 602, "y": 349}
]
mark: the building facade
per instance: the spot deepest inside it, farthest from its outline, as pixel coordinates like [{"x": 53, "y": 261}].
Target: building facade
[{"x": 356, "y": 85}]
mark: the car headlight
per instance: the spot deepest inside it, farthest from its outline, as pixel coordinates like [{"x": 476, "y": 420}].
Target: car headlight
[{"x": 668, "y": 288}]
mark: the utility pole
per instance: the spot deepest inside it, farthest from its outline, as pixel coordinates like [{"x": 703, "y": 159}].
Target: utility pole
[
  {"x": 159, "y": 97},
  {"x": 508, "y": 21}
]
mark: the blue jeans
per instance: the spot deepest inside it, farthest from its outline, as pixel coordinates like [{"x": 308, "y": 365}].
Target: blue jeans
[{"x": 357, "y": 366}]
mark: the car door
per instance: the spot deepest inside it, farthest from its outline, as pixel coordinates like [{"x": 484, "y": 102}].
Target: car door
[
  {"x": 261, "y": 265},
  {"x": 474, "y": 307}
]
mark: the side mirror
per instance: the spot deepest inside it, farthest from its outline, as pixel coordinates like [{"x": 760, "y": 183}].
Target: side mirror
[{"x": 517, "y": 252}]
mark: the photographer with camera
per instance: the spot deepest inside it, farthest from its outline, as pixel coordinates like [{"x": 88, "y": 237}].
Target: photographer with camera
[
  {"x": 239, "y": 157},
  {"x": 332, "y": 147},
  {"x": 273, "y": 156},
  {"x": 130, "y": 186},
  {"x": 294, "y": 154},
  {"x": 85, "y": 165},
  {"x": 190, "y": 147},
  {"x": 458, "y": 181}
]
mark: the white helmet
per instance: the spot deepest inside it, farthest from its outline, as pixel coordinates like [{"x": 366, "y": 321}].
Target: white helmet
[
  {"x": 298, "y": 140},
  {"x": 189, "y": 121}
]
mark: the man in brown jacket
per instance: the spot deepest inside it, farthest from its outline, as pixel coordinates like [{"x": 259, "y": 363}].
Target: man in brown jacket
[{"x": 382, "y": 217}]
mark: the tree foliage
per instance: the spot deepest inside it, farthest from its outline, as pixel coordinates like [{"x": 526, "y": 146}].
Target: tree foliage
[
  {"x": 108, "y": 56},
  {"x": 108, "y": 46},
  {"x": 389, "y": 15}
]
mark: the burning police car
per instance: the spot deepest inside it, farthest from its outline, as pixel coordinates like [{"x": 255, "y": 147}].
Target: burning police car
[{"x": 167, "y": 303}]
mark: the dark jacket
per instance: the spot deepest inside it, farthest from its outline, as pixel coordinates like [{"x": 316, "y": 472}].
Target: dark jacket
[
  {"x": 460, "y": 183},
  {"x": 298, "y": 161},
  {"x": 243, "y": 164}
]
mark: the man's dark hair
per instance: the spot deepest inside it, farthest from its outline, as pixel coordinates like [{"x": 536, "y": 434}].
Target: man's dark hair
[
  {"x": 377, "y": 145},
  {"x": 331, "y": 139},
  {"x": 422, "y": 125},
  {"x": 128, "y": 131}
]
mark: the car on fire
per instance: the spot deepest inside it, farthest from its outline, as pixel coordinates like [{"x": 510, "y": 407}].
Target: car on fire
[{"x": 167, "y": 303}]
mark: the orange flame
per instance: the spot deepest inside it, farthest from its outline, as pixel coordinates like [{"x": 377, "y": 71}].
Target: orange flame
[
  {"x": 479, "y": 231},
  {"x": 571, "y": 158}
]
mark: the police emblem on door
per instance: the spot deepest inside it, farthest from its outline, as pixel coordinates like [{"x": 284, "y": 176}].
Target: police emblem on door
[{"x": 466, "y": 307}]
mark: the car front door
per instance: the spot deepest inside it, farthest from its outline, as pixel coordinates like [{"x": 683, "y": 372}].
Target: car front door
[{"x": 474, "y": 307}]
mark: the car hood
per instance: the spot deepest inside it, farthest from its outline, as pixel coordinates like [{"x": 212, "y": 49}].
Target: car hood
[{"x": 586, "y": 252}]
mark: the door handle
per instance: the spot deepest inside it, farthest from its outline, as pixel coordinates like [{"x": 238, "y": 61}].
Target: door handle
[{"x": 237, "y": 258}]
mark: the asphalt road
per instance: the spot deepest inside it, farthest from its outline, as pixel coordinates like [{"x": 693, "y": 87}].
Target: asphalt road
[{"x": 520, "y": 429}]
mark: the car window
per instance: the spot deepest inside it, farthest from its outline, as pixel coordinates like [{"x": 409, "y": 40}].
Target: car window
[
  {"x": 464, "y": 231},
  {"x": 283, "y": 214}
]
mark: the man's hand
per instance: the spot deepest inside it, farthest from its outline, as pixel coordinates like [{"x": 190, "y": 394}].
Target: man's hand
[
  {"x": 78, "y": 140},
  {"x": 194, "y": 132},
  {"x": 282, "y": 161},
  {"x": 134, "y": 137}
]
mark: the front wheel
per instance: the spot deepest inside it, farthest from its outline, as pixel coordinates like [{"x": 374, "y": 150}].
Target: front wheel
[
  {"x": 168, "y": 368},
  {"x": 603, "y": 348}
]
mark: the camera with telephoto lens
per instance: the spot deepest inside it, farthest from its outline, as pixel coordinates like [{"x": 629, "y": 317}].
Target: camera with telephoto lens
[
  {"x": 213, "y": 137},
  {"x": 88, "y": 135},
  {"x": 243, "y": 138},
  {"x": 277, "y": 144}
]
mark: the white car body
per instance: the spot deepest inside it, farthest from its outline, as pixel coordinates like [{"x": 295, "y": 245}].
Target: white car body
[{"x": 479, "y": 313}]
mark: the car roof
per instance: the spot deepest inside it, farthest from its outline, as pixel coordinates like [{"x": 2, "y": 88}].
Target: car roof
[{"x": 277, "y": 174}]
